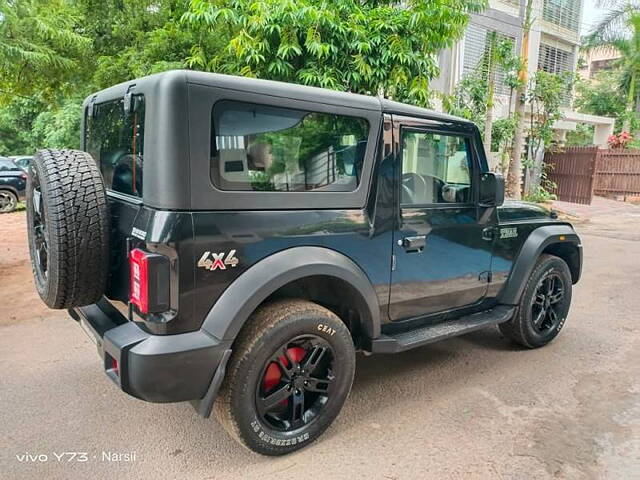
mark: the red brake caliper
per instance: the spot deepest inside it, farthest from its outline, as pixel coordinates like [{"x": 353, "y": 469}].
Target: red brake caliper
[{"x": 273, "y": 375}]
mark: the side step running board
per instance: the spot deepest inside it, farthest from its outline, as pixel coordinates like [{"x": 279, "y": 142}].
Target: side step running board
[{"x": 418, "y": 337}]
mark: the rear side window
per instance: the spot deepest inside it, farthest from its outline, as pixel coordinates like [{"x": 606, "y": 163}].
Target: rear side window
[
  {"x": 7, "y": 165},
  {"x": 273, "y": 149},
  {"x": 115, "y": 139}
]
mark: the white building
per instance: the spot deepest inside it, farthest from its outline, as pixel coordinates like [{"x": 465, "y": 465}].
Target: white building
[{"x": 554, "y": 43}]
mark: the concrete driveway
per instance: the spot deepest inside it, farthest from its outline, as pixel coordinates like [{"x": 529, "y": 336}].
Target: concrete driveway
[{"x": 471, "y": 407}]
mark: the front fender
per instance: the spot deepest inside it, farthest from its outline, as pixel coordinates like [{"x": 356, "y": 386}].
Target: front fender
[
  {"x": 249, "y": 290},
  {"x": 533, "y": 247}
]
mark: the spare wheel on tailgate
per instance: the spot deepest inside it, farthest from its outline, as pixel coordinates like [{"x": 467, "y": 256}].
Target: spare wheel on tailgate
[{"x": 68, "y": 228}]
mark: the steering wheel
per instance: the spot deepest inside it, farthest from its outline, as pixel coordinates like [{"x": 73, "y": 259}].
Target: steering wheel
[{"x": 415, "y": 186}]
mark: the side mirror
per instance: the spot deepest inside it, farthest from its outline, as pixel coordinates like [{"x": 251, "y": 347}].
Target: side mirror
[{"x": 491, "y": 190}]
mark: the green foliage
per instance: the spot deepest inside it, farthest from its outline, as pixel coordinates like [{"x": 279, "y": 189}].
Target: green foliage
[
  {"x": 40, "y": 47},
  {"x": 503, "y": 130},
  {"x": 540, "y": 194},
  {"x": 620, "y": 29},
  {"x": 547, "y": 92},
  {"x": 133, "y": 38},
  {"x": 58, "y": 128},
  {"x": 469, "y": 99},
  {"x": 55, "y": 52},
  {"x": 612, "y": 25},
  {"x": 601, "y": 95},
  {"x": 582, "y": 136},
  {"x": 474, "y": 93},
  {"x": 16, "y": 119},
  {"x": 364, "y": 47},
  {"x": 29, "y": 124}
]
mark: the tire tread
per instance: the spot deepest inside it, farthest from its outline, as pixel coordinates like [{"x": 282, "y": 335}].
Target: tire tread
[
  {"x": 78, "y": 222},
  {"x": 261, "y": 322}
]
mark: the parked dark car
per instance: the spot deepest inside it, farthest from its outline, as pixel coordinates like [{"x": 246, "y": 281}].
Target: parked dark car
[
  {"x": 13, "y": 182},
  {"x": 22, "y": 161},
  {"x": 233, "y": 242}
]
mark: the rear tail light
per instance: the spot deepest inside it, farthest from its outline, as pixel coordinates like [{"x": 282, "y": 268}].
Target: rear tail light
[
  {"x": 139, "y": 280},
  {"x": 148, "y": 281},
  {"x": 23, "y": 176}
]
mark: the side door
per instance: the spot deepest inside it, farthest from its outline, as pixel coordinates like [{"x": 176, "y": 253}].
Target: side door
[{"x": 441, "y": 243}]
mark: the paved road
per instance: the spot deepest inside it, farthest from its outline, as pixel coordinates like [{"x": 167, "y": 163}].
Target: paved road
[{"x": 472, "y": 407}]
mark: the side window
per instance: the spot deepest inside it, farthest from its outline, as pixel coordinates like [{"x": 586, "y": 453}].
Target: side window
[
  {"x": 274, "y": 149},
  {"x": 7, "y": 165},
  {"x": 436, "y": 168},
  {"x": 115, "y": 139}
]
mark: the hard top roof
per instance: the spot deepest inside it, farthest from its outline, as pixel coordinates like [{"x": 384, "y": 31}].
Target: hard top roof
[{"x": 273, "y": 88}]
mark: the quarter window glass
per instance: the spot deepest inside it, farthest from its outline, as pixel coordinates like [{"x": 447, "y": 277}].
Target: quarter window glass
[
  {"x": 435, "y": 168},
  {"x": 115, "y": 139},
  {"x": 264, "y": 148}
]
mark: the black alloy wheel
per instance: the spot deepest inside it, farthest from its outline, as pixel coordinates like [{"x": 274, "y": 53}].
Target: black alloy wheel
[
  {"x": 296, "y": 383},
  {"x": 547, "y": 303},
  {"x": 544, "y": 304},
  {"x": 38, "y": 225},
  {"x": 289, "y": 374}
]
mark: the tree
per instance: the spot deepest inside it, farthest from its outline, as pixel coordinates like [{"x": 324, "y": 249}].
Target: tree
[
  {"x": 133, "y": 38},
  {"x": 474, "y": 95},
  {"x": 620, "y": 29},
  {"x": 545, "y": 95},
  {"x": 40, "y": 47},
  {"x": 54, "y": 53},
  {"x": 369, "y": 47},
  {"x": 502, "y": 139},
  {"x": 469, "y": 98},
  {"x": 515, "y": 167},
  {"x": 615, "y": 21},
  {"x": 600, "y": 95},
  {"x": 498, "y": 56},
  {"x": 630, "y": 64}
]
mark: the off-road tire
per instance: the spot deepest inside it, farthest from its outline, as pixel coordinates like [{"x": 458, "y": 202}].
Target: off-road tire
[
  {"x": 520, "y": 328},
  {"x": 74, "y": 216},
  {"x": 11, "y": 201},
  {"x": 268, "y": 328}
]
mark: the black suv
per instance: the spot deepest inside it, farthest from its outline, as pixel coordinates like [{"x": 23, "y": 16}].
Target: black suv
[
  {"x": 233, "y": 242},
  {"x": 13, "y": 182}
]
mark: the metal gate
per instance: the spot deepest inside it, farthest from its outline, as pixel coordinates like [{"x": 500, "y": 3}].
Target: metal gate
[{"x": 572, "y": 170}]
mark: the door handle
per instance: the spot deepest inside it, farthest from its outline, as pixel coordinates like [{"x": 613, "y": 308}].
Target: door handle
[{"x": 414, "y": 244}]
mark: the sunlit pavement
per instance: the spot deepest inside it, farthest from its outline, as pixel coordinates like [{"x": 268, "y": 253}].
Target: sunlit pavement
[{"x": 471, "y": 407}]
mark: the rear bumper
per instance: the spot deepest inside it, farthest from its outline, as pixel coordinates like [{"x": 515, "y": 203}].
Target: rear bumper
[{"x": 155, "y": 368}]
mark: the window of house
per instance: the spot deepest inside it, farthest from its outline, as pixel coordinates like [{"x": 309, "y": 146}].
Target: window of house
[
  {"x": 436, "y": 168},
  {"x": 275, "y": 149},
  {"x": 477, "y": 46},
  {"x": 564, "y": 13},
  {"x": 555, "y": 60}
]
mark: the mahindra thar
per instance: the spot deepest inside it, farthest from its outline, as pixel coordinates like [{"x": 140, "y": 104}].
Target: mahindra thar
[{"x": 233, "y": 242}]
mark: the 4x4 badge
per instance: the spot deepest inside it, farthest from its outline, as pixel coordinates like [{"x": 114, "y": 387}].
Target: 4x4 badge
[{"x": 213, "y": 261}]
